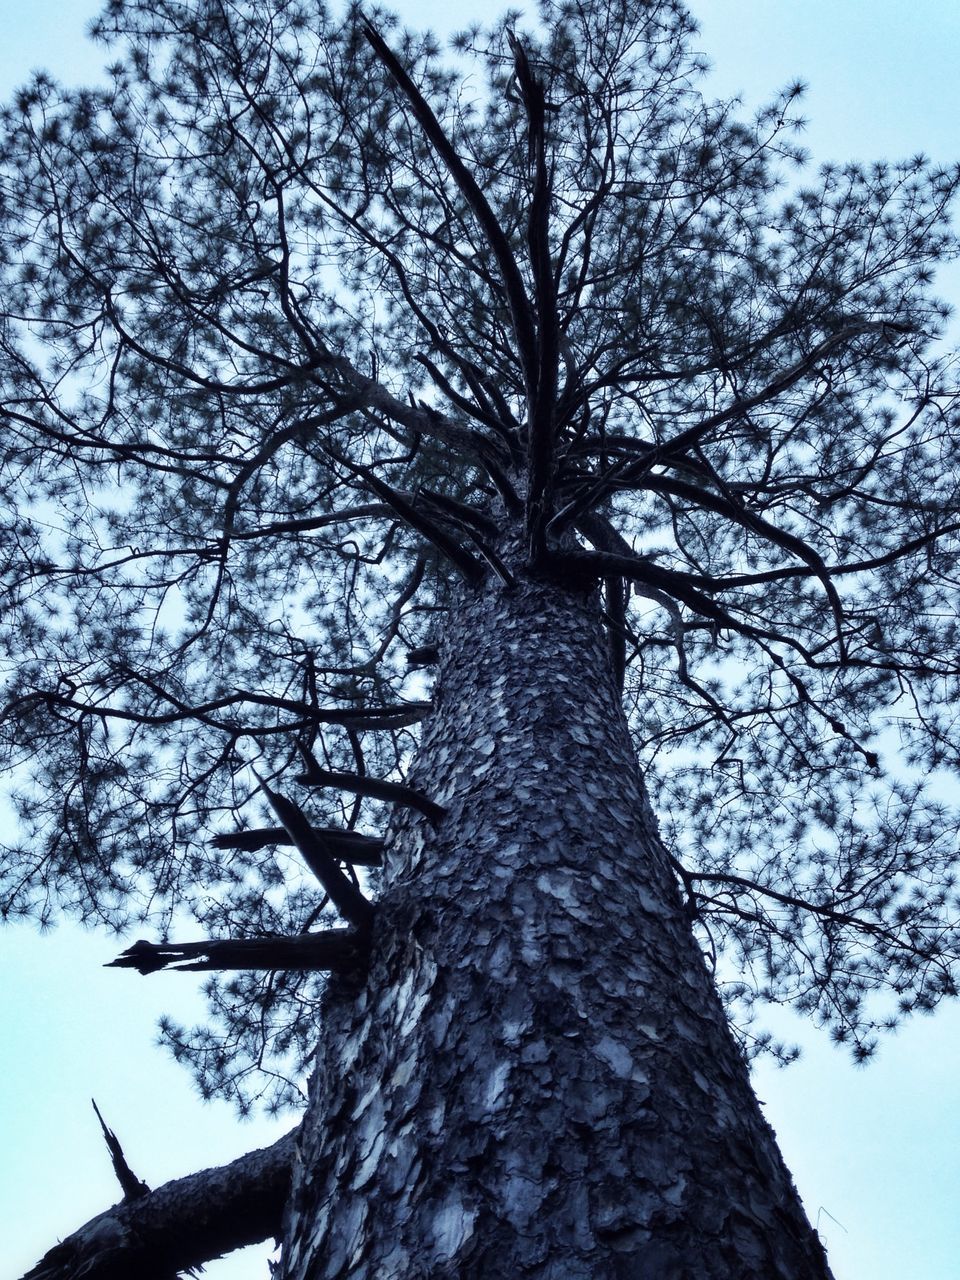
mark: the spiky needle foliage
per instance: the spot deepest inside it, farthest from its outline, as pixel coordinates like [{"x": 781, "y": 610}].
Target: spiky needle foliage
[{"x": 304, "y": 321}]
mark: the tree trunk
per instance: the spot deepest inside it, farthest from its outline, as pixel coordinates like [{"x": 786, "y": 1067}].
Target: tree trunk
[{"x": 537, "y": 1079}]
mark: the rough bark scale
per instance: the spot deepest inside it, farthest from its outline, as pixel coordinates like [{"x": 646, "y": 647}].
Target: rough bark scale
[{"x": 537, "y": 1079}]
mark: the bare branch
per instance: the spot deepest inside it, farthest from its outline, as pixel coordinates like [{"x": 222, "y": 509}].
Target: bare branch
[
  {"x": 467, "y": 184},
  {"x": 344, "y": 895},
  {"x": 334, "y": 950},
  {"x": 345, "y": 846},
  {"x": 133, "y": 1188},
  {"x": 180, "y": 1225},
  {"x": 375, "y": 788}
]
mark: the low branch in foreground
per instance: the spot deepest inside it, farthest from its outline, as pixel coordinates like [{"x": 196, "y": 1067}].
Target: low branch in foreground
[
  {"x": 347, "y": 846},
  {"x": 182, "y": 1224},
  {"x": 336, "y": 950}
]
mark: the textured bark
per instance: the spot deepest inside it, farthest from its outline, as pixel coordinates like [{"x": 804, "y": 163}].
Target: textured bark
[
  {"x": 180, "y": 1225},
  {"x": 537, "y": 1078}
]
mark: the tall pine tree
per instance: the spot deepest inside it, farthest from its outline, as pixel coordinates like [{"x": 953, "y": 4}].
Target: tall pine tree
[{"x": 417, "y": 471}]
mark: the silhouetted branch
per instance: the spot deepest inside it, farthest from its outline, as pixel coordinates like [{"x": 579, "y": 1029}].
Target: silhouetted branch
[
  {"x": 468, "y": 564},
  {"x": 346, "y": 846},
  {"x": 180, "y": 1225},
  {"x": 336, "y": 950},
  {"x": 631, "y": 471},
  {"x": 133, "y": 1188},
  {"x": 542, "y": 405},
  {"x": 399, "y": 716},
  {"x": 344, "y": 895},
  {"x": 509, "y": 271},
  {"x": 465, "y": 515},
  {"x": 739, "y": 513},
  {"x": 375, "y": 788},
  {"x": 901, "y": 940}
]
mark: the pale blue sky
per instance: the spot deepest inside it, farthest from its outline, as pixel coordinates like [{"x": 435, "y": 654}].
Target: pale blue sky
[{"x": 875, "y": 1152}]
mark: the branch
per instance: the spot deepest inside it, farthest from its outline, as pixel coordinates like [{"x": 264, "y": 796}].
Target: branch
[
  {"x": 335, "y": 950},
  {"x": 471, "y": 192},
  {"x": 541, "y": 421},
  {"x": 398, "y": 716},
  {"x": 375, "y": 788},
  {"x": 425, "y": 655},
  {"x": 738, "y": 512},
  {"x": 476, "y": 409},
  {"x": 822, "y": 909},
  {"x": 630, "y": 471},
  {"x": 344, "y": 895},
  {"x": 462, "y": 513},
  {"x": 586, "y": 566},
  {"x": 345, "y": 846},
  {"x": 468, "y": 564},
  {"x": 182, "y": 1224},
  {"x": 783, "y": 381},
  {"x": 133, "y": 1188},
  {"x": 615, "y": 610},
  {"x": 464, "y": 518}
]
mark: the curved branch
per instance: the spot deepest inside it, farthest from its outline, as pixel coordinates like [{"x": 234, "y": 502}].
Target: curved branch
[
  {"x": 821, "y": 909},
  {"x": 630, "y": 470},
  {"x": 739, "y": 513}
]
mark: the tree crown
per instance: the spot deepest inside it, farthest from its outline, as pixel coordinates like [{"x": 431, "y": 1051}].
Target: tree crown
[{"x": 308, "y": 329}]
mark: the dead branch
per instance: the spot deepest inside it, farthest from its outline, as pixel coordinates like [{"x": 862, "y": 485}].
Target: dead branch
[
  {"x": 133, "y": 1188},
  {"x": 345, "y": 846},
  {"x": 344, "y": 895},
  {"x": 181, "y": 1225},
  {"x": 335, "y": 950},
  {"x": 375, "y": 788}
]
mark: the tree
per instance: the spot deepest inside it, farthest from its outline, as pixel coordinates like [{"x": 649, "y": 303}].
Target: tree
[{"x": 320, "y": 356}]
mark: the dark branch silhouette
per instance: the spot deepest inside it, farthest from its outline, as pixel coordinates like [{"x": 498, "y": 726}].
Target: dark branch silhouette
[
  {"x": 333, "y": 950},
  {"x": 345, "y": 846},
  {"x": 133, "y": 1187},
  {"x": 375, "y": 788},
  {"x": 344, "y": 895},
  {"x": 180, "y": 1225}
]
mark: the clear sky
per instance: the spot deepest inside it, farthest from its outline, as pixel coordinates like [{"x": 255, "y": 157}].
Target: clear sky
[{"x": 875, "y": 1151}]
